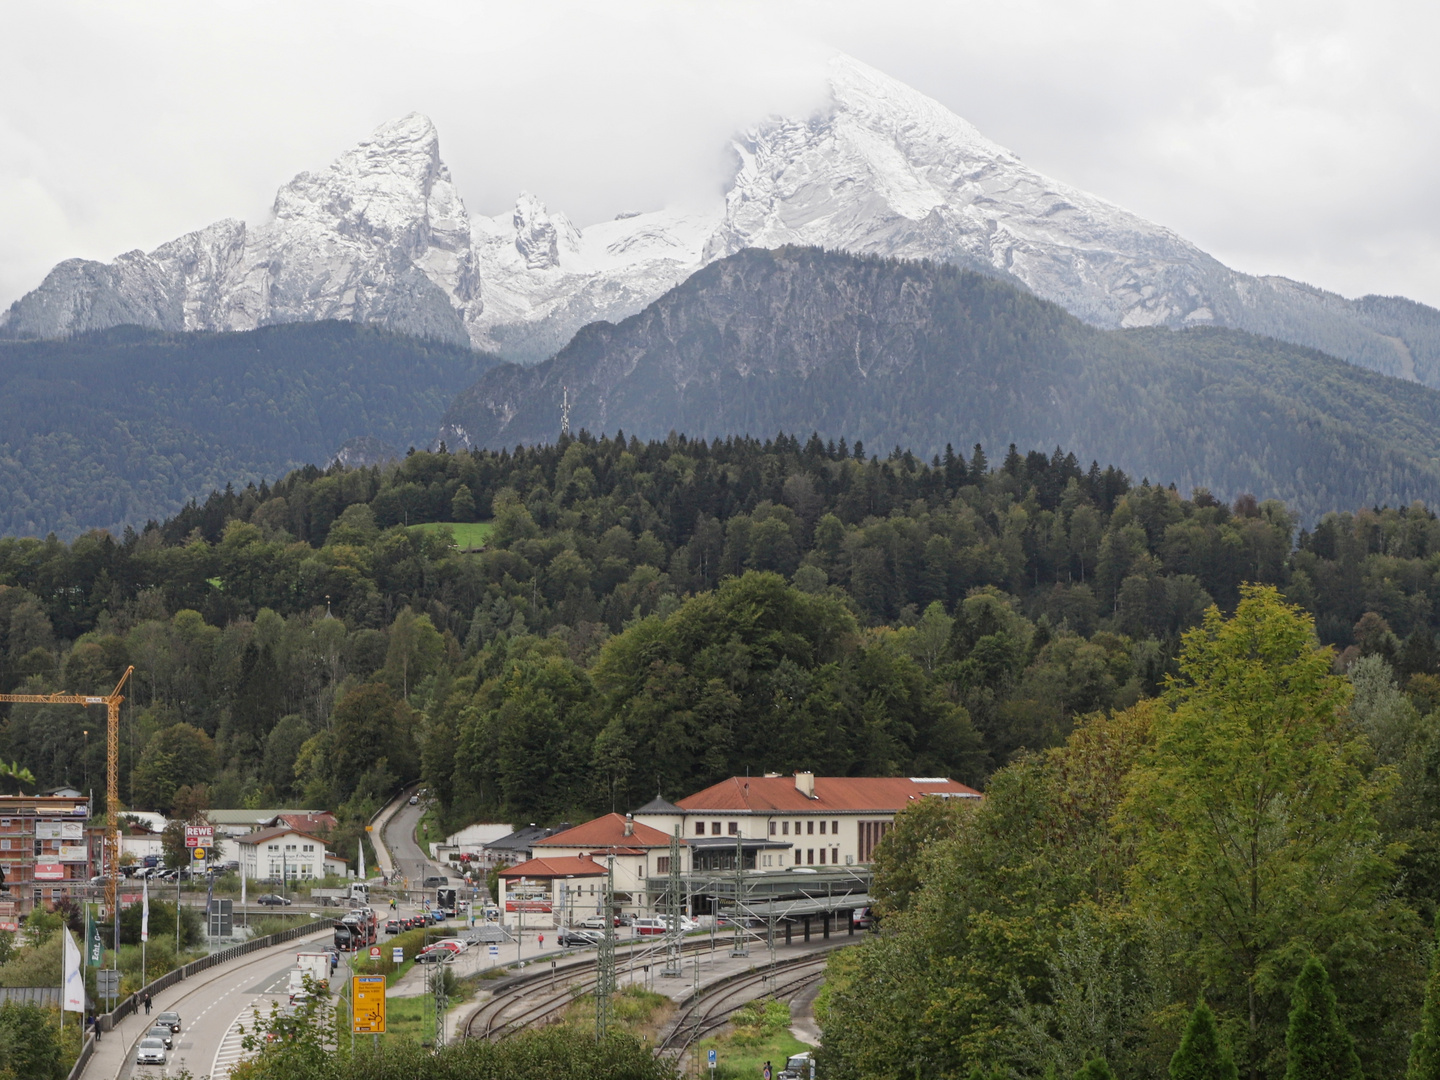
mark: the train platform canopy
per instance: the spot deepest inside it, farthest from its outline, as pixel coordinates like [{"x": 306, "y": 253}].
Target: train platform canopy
[{"x": 801, "y": 908}]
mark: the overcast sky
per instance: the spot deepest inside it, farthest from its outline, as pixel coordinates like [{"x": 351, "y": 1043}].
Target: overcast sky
[{"x": 1299, "y": 138}]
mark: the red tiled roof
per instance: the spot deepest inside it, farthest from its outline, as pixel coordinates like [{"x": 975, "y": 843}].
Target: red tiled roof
[
  {"x": 772, "y": 794},
  {"x": 605, "y": 833},
  {"x": 556, "y": 867},
  {"x": 321, "y": 820}
]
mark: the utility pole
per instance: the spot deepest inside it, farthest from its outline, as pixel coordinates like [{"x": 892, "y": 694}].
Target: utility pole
[
  {"x": 565, "y": 411},
  {"x": 672, "y": 968},
  {"x": 737, "y": 945},
  {"x": 605, "y": 962}
]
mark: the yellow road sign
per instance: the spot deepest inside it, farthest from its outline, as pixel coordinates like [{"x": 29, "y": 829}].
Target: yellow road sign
[
  {"x": 367, "y": 1010},
  {"x": 200, "y": 854}
]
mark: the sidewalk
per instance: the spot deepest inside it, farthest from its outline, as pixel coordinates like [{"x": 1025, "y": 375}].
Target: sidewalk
[{"x": 116, "y": 1048}]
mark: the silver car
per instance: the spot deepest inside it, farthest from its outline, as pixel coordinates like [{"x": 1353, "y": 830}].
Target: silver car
[{"x": 151, "y": 1052}]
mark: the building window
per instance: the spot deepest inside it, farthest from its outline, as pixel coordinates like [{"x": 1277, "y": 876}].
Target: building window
[
  {"x": 822, "y": 853},
  {"x": 871, "y": 833},
  {"x": 810, "y": 828},
  {"x": 699, "y": 828},
  {"x": 822, "y": 828},
  {"x": 714, "y": 828},
  {"x": 834, "y": 828},
  {"x": 784, "y": 828},
  {"x": 39, "y": 847},
  {"x": 810, "y": 857},
  {"x": 309, "y": 847},
  {"x": 662, "y": 864},
  {"x": 734, "y": 828},
  {"x": 772, "y": 828},
  {"x": 5, "y": 844},
  {"x": 799, "y": 856},
  {"x": 268, "y": 847}
]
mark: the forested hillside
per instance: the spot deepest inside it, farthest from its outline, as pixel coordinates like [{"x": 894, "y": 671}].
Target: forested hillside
[
  {"x": 655, "y": 615},
  {"x": 921, "y": 355},
  {"x": 118, "y": 426}
]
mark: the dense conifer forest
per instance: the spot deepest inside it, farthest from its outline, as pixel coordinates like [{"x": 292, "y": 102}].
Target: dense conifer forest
[{"x": 1115, "y": 663}]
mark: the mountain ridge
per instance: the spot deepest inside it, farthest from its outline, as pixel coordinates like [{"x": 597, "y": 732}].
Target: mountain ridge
[
  {"x": 924, "y": 354},
  {"x": 382, "y": 236}
]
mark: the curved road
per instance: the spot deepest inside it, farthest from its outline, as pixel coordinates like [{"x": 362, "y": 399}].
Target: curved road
[{"x": 411, "y": 862}]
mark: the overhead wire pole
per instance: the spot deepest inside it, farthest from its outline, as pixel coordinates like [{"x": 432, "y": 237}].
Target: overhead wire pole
[
  {"x": 605, "y": 962},
  {"x": 673, "y": 967},
  {"x": 112, "y": 702}
]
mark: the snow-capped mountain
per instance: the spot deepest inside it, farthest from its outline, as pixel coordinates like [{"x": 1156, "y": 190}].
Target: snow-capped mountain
[{"x": 881, "y": 169}]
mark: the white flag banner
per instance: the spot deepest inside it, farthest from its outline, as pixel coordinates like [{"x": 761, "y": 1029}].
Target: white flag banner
[
  {"x": 242, "y": 886},
  {"x": 73, "y": 990},
  {"x": 145, "y": 911},
  {"x": 362, "y": 860}
]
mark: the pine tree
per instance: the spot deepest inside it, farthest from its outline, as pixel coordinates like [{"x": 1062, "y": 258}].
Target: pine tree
[
  {"x": 1202, "y": 1055},
  {"x": 1317, "y": 1044},
  {"x": 1425, "y": 1048},
  {"x": 1095, "y": 1069}
]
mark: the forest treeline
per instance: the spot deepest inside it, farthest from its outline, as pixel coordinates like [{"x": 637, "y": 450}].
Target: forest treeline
[
  {"x": 1248, "y": 860},
  {"x": 655, "y": 616}
]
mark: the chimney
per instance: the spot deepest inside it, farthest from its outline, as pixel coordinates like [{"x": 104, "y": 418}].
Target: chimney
[
  {"x": 805, "y": 784},
  {"x": 629, "y": 824}
]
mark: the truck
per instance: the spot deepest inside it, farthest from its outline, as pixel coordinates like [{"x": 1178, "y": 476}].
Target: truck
[
  {"x": 356, "y": 930},
  {"x": 357, "y": 894},
  {"x": 445, "y": 901},
  {"x": 314, "y": 964}
]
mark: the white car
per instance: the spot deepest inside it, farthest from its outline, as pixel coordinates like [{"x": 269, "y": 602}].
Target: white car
[{"x": 151, "y": 1052}]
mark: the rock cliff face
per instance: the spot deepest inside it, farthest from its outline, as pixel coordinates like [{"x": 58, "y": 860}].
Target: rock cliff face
[{"x": 382, "y": 236}]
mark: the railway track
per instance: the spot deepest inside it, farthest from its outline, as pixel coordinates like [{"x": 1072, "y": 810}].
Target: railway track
[
  {"x": 710, "y": 1010},
  {"x": 516, "y": 1005},
  {"x": 519, "y": 1005}
]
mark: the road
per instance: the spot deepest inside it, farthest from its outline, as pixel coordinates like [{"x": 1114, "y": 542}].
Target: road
[
  {"x": 210, "y": 1005},
  {"x": 412, "y": 863}
]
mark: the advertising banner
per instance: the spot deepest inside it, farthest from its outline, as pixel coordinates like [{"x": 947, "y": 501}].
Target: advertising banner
[
  {"x": 73, "y": 853},
  {"x": 49, "y": 871},
  {"x": 59, "y": 830}
]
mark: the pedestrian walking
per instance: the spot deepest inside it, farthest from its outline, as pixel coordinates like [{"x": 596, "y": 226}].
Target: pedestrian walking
[
  {"x": 541, "y": 941},
  {"x": 147, "y": 1003}
]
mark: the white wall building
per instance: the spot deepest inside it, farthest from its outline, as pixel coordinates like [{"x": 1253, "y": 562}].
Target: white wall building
[{"x": 268, "y": 854}]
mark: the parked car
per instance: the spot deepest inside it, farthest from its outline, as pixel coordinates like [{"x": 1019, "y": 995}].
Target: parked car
[
  {"x": 433, "y": 955},
  {"x": 597, "y": 922},
  {"x": 458, "y": 944},
  {"x": 578, "y": 937},
  {"x": 151, "y": 1052},
  {"x": 271, "y": 899},
  {"x": 170, "y": 1020},
  {"x": 164, "y": 1034}
]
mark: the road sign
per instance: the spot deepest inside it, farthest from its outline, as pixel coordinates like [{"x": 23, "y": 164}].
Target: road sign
[
  {"x": 710, "y": 1058},
  {"x": 397, "y": 955},
  {"x": 222, "y": 917},
  {"x": 374, "y": 952},
  {"x": 199, "y": 835},
  {"x": 367, "y": 995},
  {"x": 107, "y": 983},
  {"x": 494, "y": 948}
]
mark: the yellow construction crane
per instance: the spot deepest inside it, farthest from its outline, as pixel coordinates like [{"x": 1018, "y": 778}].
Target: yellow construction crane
[{"x": 111, "y": 701}]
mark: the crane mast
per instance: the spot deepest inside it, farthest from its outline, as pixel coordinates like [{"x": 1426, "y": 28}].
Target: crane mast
[{"x": 112, "y": 702}]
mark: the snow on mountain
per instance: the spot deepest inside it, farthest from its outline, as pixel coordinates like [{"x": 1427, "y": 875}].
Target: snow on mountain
[{"x": 881, "y": 169}]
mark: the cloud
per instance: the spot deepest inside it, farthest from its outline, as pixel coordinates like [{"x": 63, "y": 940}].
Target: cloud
[{"x": 1284, "y": 137}]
